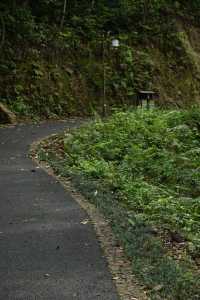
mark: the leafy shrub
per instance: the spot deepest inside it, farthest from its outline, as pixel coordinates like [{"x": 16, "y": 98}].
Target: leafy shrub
[{"x": 145, "y": 167}]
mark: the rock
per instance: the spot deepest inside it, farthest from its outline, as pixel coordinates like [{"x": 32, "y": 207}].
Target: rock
[
  {"x": 6, "y": 116},
  {"x": 176, "y": 237}
]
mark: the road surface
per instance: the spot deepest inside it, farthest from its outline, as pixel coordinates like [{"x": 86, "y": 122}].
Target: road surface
[{"x": 47, "y": 252}]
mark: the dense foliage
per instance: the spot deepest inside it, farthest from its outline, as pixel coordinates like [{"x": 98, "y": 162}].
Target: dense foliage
[
  {"x": 142, "y": 169},
  {"x": 151, "y": 160},
  {"x": 51, "y": 53}
]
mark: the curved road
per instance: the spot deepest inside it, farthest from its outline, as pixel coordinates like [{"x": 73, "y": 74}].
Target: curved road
[{"x": 46, "y": 253}]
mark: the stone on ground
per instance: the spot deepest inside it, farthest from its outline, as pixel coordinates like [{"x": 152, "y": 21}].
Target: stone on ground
[{"x": 6, "y": 116}]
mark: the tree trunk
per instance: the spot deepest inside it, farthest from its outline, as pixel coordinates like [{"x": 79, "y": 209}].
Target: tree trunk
[{"x": 63, "y": 15}]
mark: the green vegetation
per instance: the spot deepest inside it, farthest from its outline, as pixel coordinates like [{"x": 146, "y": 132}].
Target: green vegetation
[
  {"x": 51, "y": 54},
  {"x": 142, "y": 170}
]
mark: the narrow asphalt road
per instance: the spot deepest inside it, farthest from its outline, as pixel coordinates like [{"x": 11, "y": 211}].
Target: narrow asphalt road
[{"x": 46, "y": 252}]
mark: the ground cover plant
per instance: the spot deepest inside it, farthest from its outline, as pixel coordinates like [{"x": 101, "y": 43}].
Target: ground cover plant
[{"x": 142, "y": 170}]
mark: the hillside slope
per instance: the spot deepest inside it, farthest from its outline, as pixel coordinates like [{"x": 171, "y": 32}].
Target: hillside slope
[{"x": 51, "y": 59}]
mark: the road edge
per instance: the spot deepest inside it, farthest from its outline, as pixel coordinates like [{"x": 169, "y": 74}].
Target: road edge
[{"x": 120, "y": 267}]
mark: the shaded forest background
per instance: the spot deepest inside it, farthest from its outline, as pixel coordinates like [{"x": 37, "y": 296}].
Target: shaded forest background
[{"x": 51, "y": 54}]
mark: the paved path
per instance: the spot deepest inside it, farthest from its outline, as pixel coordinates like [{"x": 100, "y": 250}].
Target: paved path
[{"x": 45, "y": 251}]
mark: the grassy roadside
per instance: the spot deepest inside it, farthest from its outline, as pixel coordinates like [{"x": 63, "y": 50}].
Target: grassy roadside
[{"x": 141, "y": 169}]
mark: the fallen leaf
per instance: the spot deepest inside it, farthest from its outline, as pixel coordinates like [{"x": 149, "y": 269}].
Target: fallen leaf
[
  {"x": 84, "y": 222},
  {"x": 158, "y": 287}
]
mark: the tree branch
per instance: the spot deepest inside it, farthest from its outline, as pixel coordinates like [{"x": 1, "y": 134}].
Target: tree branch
[{"x": 2, "y": 31}]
